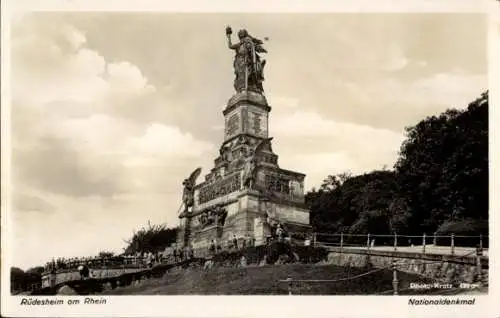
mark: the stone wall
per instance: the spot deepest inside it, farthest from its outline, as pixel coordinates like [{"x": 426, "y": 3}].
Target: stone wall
[
  {"x": 292, "y": 214},
  {"x": 443, "y": 268},
  {"x": 67, "y": 276},
  {"x": 243, "y": 207}
]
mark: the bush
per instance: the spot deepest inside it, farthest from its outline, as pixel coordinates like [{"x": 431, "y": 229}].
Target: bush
[
  {"x": 271, "y": 252},
  {"x": 253, "y": 255},
  {"x": 154, "y": 238},
  {"x": 468, "y": 227},
  {"x": 311, "y": 254},
  {"x": 22, "y": 281}
]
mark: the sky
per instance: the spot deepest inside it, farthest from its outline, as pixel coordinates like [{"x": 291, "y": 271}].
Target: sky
[{"x": 111, "y": 111}]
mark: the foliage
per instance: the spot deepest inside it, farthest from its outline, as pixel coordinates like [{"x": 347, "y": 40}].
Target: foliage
[
  {"x": 105, "y": 254},
  {"x": 468, "y": 227},
  {"x": 271, "y": 252},
  {"x": 23, "y": 281},
  {"x": 154, "y": 238},
  {"x": 441, "y": 175},
  {"x": 357, "y": 204},
  {"x": 443, "y": 167},
  {"x": 311, "y": 254}
]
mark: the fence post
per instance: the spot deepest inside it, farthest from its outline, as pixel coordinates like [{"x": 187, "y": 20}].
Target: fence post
[
  {"x": 423, "y": 243},
  {"x": 452, "y": 244},
  {"x": 341, "y": 240},
  {"x": 479, "y": 266},
  {"x": 395, "y": 281},
  {"x": 368, "y": 241},
  {"x": 395, "y": 241},
  {"x": 434, "y": 241},
  {"x": 314, "y": 239},
  {"x": 481, "y": 241},
  {"x": 289, "y": 280}
]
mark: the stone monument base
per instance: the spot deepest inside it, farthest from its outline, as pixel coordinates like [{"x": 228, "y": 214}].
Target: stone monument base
[
  {"x": 246, "y": 190},
  {"x": 247, "y": 220}
]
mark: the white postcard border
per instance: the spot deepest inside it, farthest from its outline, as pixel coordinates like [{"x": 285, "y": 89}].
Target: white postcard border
[{"x": 247, "y": 306}]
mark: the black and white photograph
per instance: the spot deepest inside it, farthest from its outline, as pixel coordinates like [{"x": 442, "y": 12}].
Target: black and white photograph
[{"x": 212, "y": 153}]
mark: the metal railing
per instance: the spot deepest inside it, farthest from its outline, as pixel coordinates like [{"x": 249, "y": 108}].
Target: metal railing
[
  {"x": 395, "y": 276},
  {"x": 434, "y": 244},
  {"x": 414, "y": 243}
]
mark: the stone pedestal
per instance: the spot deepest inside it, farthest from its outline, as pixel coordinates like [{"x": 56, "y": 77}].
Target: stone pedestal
[
  {"x": 205, "y": 236},
  {"x": 275, "y": 193},
  {"x": 261, "y": 231}
]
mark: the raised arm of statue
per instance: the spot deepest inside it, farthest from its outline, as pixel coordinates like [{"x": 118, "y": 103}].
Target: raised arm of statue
[
  {"x": 230, "y": 45},
  {"x": 248, "y": 67}
]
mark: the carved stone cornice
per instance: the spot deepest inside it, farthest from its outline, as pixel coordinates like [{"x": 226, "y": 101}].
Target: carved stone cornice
[{"x": 247, "y": 97}]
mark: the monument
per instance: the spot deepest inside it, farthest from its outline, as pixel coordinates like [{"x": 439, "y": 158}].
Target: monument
[{"x": 246, "y": 193}]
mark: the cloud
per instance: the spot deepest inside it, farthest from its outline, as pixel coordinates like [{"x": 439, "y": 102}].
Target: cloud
[
  {"x": 54, "y": 66},
  {"x": 345, "y": 146},
  {"x": 396, "y": 59},
  {"x": 395, "y": 101},
  {"x": 79, "y": 152},
  {"x": 164, "y": 142},
  {"x": 455, "y": 89},
  {"x": 125, "y": 77},
  {"x": 31, "y": 201},
  {"x": 310, "y": 124},
  {"x": 283, "y": 103},
  {"x": 218, "y": 127},
  {"x": 77, "y": 95},
  {"x": 57, "y": 167}
]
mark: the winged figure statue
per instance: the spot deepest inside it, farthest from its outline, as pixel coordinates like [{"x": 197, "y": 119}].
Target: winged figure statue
[{"x": 188, "y": 192}]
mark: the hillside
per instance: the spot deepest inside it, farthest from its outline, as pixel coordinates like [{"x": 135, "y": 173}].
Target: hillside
[{"x": 265, "y": 281}]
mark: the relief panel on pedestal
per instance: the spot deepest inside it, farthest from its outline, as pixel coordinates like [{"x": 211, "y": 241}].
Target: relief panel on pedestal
[
  {"x": 219, "y": 188},
  {"x": 292, "y": 214},
  {"x": 256, "y": 122},
  {"x": 233, "y": 124}
]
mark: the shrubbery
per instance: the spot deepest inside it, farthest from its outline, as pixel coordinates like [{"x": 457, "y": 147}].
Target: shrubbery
[
  {"x": 154, "y": 238},
  {"x": 271, "y": 252},
  {"x": 22, "y": 281},
  {"x": 468, "y": 227},
  {"x": 311, "y": 254}
]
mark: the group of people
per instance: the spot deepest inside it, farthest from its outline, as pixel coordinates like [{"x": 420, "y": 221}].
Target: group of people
[
  {"x": 137, "y": 259},
  {"x": 232, "y": 244},
  {"x": 62, "y": 263},
  {"x": 180, "y": 255},
  {"x": 150, "y": 258}
]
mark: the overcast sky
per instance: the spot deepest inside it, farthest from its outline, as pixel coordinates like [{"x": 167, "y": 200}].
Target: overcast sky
[{"x": 111, "y": 111}]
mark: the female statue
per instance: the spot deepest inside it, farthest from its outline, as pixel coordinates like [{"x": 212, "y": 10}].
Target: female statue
[
  {"x": 249, "y": 172},
  {"x": 248, "y": 67}
]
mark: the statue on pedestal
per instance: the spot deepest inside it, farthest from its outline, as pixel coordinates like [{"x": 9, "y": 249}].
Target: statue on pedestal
[
  {"x": 249, "y": 172},
  {"x": 251, "y": 163},
  {"x": 188, "y": 192},
  {"x": 213, "y": 216},
  {"x": 221, "y": 216},
  {"x": 248, "y": 66}
]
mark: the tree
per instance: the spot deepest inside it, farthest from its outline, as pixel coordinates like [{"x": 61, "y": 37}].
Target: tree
[
  {"x": 443, "y": 167},
  {"x": 154, "y": 238},
  {"x": 332, "y": 182},
  {"x": 360, "y": 203},
  {"x": 400, "y": 215},
  {"x": 441, "y": 176},
  {"x": 104, "y": 254},
  {"x": 22, "y": 281}
]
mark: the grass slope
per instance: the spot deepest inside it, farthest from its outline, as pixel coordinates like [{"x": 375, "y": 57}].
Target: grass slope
[{"x": 265, "y": 281}]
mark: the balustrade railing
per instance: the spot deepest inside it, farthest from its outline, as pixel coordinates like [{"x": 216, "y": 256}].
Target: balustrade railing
[{"x": 434, "y": 244}]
